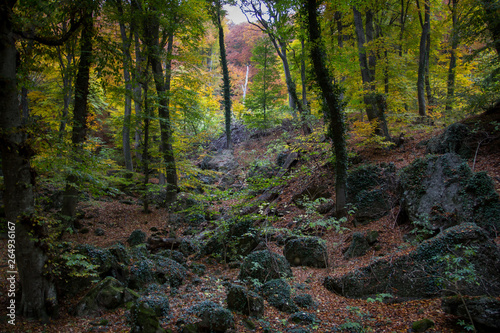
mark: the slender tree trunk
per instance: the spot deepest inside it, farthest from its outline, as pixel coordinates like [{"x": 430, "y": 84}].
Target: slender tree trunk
[
  {"x": 38, "y": 298},
  {"x": 145, "y": 152},
  {"x": 139, "y": 59},
  {"x": 422, "y": 106},
  {"x": 225, "y": 77},
  {"x": 334, "y": 104},
  {"x": 428, "y": 90},
  {"x": 80, "y": 113},
  {"x": 453, "y": 58},
  {"x": 127, "y": 61},
  {"x": 244, "y": 87},
  {"x": 303, "y": 73},
  {"x": 492, "y": 19},
  {"x": 163, "y": 92}
]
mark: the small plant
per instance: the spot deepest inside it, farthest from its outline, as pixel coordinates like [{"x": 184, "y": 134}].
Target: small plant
[
  {"x": 379, "y": 298},
  {"x": 423, "y": 229}
]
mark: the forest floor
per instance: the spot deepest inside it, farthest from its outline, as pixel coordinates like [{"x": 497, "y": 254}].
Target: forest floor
[{"x": 118, "y": 220}]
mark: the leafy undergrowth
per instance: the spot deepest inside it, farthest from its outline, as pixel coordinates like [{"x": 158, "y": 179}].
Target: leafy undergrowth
[{"x": 118, "y": 219}]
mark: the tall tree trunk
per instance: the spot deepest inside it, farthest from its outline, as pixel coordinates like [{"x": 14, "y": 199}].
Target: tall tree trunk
[
  {"x": 151, "y": 37},
  {"x": 137, "y": 93},
  {"x": 145, "y": 152},
  {"x": 453, "y": 58},
  {"x": 303, "y": 73},
  {"x": 226, "y": 86},
  {"x": 334, "y": 107},
  {"x": 127, "y": 62},
  {"x": 38, "y": 298},
  {"x": 80, "y": 113},
  {"x": 428, "y": 90},
  {"x": 492, "y": 19},
  {"x": 422, "y": 106},
  {"x": 372, "y": 99}
]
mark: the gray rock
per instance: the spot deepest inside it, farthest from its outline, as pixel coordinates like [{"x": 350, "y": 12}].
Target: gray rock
[
  {"x": 144, "y": 318},
  {"x": 359, "y": 246},
  {"x": 222, "y": 161},
  {"x": 485, "y": 311},
  {"x": 264, "y": 266},
  {"x": 278, "y": 293},
  {"x": 453, "y": 140},
  {"x": 206, "y": 317},
  {"x": 306, "y": 251},
  {"x": 422, "y": 274},
  {"x": 303, "y": 318},
  {"x": 136, "y": 237},
  {"x": 245, "y": 301},
  {"x": 442, "y": 191}
]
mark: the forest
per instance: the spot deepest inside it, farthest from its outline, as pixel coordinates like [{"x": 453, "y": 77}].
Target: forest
[{"x": 320, "y": 166}]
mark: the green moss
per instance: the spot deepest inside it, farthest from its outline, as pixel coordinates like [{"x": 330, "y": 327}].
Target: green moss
[{"x": 422, "y": 325}]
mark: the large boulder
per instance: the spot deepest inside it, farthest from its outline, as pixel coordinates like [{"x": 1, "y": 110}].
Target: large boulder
[
  {"x": 108, "y": 294},
  {"x": 429, "y": 270},
  {"x": 206, "y": 317},
  {"x": 264, "y": 266},
  {"x": 245, "y": 301},
  {"x": 442, "y": 191},
  {"x": 222, "y": 161},
  {"x": 453, "y": 140},
  {"x": 278, "y": 294},
  {"x": 484, "y": 311},
  {"x": 306, "y": 251},
  {"x": 168, "y": 270},
  {"x": 144, "y": 317},
  {"x": 369, "y": 190}
]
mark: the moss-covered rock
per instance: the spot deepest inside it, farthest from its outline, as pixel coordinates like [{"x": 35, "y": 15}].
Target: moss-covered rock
[
  {"x": 245, "y": 301},
  {"x": 369, "y": 189},
  {"x": 168, "y": 270},
  {"x": 359, "y": 246},
  {"x": 136, "y": 237},
  {"x": 438, "y": 192},
  {"x": 106, "y": 295},
  {"x": 144, "y": 319},
  {"x": 303, "y": 318},
  {"x": 422, "y": 325},
  {"x": 174, "y": 255},
  {"x": 306, "y": 251},
  {"x": 207, "y": 317},
  {"x": 278, "y": 293},
  {"x": 453, "y": 140},
  {"x": 264, "y": 266},
  {"x": 485, "y": 311},
  {"x": 142, "y": 273},
  {"x": 423, "y": 272},
  {"x": 304, "y": 301}
]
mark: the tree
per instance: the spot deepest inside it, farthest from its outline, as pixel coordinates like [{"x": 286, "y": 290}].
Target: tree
[
  {"x": 332, "y": 96},
  {"x": 264, "y": 90},
  {"x": 39, "y": 297},
  {"x": 273, "y": 18},
  {"x": 80, "y": 109},
  {"x": 425, "y": 23}
]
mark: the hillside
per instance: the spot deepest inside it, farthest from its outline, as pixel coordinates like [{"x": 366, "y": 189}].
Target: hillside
[{"x": 281, "y": 207}]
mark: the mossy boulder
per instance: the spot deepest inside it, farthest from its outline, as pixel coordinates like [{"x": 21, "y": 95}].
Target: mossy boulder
[
  {"x": 303, "y": 318},
  {"x": 174, "y": 255},
  {"x": 110, "y": 262},
  {"x": 485, "y": 311},
  {"x": 369, "y": 189},
  {"x": 137, "y": 237},
  {"x": 206, "y": 317},
  {"x": 108, "y": 294},
  {"x": 360, "y": 244},
  {"x": 245, "y": 301},
  {"x": 264, "y": 266},
  {"x": 422, "y": 325},
  {"x": 142, "y": 273},
  {"x": 168, "y": 270},
  {"x": 424, "y": 272},
  {"x": 277, "y": 292},
  {"x": 234, "y": 238},
  {"x": 144, "y": 319},
  {"x": 438, "y": 192},
  {"x": 157, "y": 302},
  {"x": 306, "y": 251},
  {"x": 453, "y": 140},
  {"x": 304, "y": 301}
]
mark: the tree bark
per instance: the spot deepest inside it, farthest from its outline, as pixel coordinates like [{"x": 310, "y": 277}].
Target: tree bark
[
  {"x": 80, "y": 113},
  {"x": 226, "y": 86},
  {"x": 492, "y": 19},
  {"x": 38, "y": 298},
  {"x": 162, "y": 85},
  {"x": 334, "y": 107},
  {"x": 422, "y": 105},
  {"x": 453, "y": 58},
  {"x": 127, "y": 62}
]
